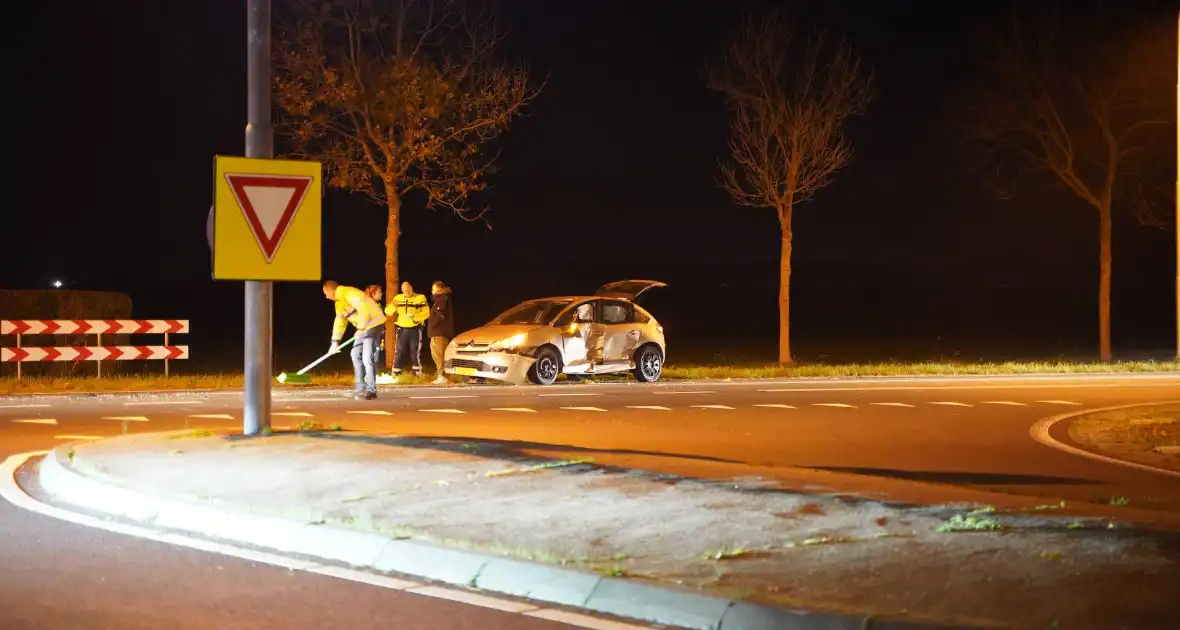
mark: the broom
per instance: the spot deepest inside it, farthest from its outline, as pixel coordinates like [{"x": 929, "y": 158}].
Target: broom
[{"x": 301, "y": 377}]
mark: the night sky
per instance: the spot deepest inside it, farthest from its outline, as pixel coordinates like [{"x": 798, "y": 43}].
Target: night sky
[{"x": 612, "y": 175}]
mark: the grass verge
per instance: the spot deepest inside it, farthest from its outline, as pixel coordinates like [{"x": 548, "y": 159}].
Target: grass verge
[
  {"x": 9, "y": 386},
  {"x": 1147, "y": 435}
]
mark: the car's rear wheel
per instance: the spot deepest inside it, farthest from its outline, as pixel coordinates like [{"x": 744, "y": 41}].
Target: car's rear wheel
[
  {"x": 546, "y": 367},
  {"x": 649, "y": 364}
]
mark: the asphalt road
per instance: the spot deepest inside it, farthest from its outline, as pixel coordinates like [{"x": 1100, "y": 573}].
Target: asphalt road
[{"x": 963, "y": 434}]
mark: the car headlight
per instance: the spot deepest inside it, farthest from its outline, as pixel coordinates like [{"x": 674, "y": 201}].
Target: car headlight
[{"x": 509, "y": 342}]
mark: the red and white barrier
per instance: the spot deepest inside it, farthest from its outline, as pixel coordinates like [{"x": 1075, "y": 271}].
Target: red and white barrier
[
  {"x": 93, "y": 326},
  {"x": 99, "y": 352},
  {"x": 93, "y": 353}
]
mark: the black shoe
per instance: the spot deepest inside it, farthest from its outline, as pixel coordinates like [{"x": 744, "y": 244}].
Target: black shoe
[{"x": 365, "y": 396}]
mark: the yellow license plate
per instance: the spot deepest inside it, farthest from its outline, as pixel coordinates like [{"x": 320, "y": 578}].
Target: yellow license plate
[{"x": 465, "y": 371}]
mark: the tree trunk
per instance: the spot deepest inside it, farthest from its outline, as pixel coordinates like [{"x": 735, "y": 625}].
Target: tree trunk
[
  {"x": 392, "y": 232},
  {"x": 1104, "y": 264},
  {"x": 784, "y": 294}
]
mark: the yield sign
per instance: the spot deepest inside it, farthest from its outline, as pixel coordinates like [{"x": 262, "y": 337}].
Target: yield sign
[{"x": 269, "y": 203}]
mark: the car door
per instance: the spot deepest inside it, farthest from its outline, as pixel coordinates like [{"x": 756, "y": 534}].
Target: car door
[
  {"x": 581, "y": 333},
  {"x": 622, "y": 331}
]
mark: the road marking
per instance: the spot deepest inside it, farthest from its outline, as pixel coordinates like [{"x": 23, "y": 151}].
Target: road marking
[
  {"x": 695, "y": 391},
  {"x": 77, "y": 437},
  {"x": 1010, "y": 403},
  {"x": 37, "y": 420},
  {"x": 571, "y": 394},
  {"x": 949, "y": 403},
  {"x": 775, "y": 406},
  {"x": 1059, "y": 402},
  {"x": 127, "y": 418},
  {"x": 15, "y": 495},
  {"x": 514, "y": 409},
  {"x": 712, "y": 407},
  {"x": 584, "y": 408},
  {"x": 649, "y": 407},
  {"x": 164, "y": 402},
  {"x": 892, "y": 404},
  {"x": 294, "y": 399},
  {"x": 1047, "y": 385},
  {"x": 372, "y": 412},
  {"x": 293, "y": 414},
  {"x": 440, "y": 397},
  {"x": 473, "y": 599},
  {"x": 442, "y": 410},
  {"x": 212, "y": 416},
  {"x": 21, "y": 406},
  {"x": 1040, "y": 432},
  {"x": 835, "y": 405}
]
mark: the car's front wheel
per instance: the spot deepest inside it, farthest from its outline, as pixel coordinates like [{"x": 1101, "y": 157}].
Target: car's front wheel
[
  {"x": 649, "y": 364},
  {"x": 546, "y": 367}
]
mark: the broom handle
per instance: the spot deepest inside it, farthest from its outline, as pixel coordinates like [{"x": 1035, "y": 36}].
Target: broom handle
[{"x": 321, "y": 359}]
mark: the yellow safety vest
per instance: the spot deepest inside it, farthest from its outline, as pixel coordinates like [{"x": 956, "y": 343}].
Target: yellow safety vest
[
  {"x": 355, "y": 307},
  {"x": 410, "y": 311}
]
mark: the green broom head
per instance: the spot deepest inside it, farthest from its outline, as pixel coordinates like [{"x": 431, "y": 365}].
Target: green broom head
[{"x": 291, "y": 378}]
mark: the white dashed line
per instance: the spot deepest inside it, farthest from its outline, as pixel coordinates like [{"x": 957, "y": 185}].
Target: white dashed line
[
  {"x": 77, "y": 437},
  {"x": 584, "y": 408},
  {"x": 570, "y": 394},
  {"x": 292, "y": 414},
  {"x": 775, "y": 406},
  {"x": 164, "y": 402},
  {"x": 372, "y": 412},
  {"x": 127, "y": 418},
  {"x": 439, "y": 397},
  {"x": 835, "y": 405},
  {"x": 949, "y": 403},
  {"x": 212, "y": 416},
  {"x": 21, "y": 406},
  {"x": 1060, "y": 402},
  {"x": 515, "y": 409},
  {"x": 36, "y": 420},
  {"x": 649, "y": 407},
  {"x": 892, "y": 404},
  {"x": 1010, "y": 403},
  {"x": 302, "y": 400},
  {"x": 701, "y": 391},
  {"x": 712, "y": 407},
  {"x": 442, "y": 410}
]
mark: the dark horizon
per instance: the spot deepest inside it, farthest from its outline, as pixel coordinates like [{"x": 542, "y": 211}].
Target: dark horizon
[{"x": 611, "y": 175}]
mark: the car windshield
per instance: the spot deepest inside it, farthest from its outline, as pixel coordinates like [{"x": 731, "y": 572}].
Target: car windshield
[{"x": 536, "y": 312}]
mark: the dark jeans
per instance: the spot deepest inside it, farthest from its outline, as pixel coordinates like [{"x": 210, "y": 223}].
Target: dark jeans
[
  {"x": 409, "y": 344},
  {"x": 364, "y": 358}
]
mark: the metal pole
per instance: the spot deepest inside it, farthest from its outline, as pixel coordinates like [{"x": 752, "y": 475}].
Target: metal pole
[
  {"x": 166, "y": 344},
  {"x": 1178, "y": 189},
  {"x": 99, "y": 363},
  {"x": 259, "y": 144},
  {"x": 18, "y": 363}
]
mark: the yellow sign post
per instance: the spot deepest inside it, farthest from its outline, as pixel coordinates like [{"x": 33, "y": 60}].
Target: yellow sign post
[{"x": 267, "y": 219}]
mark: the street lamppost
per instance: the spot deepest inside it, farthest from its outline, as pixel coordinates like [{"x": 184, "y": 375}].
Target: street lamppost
[{"x": 1178, "y": 188}]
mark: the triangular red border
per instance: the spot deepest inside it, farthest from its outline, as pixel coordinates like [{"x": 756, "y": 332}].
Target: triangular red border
[{"x": 237, "y": 185}]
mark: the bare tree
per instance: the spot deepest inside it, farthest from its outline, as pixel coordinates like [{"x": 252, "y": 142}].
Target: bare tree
[
  {"x": 1081, "y": 101},
  {"x": 396, "y": 96},
  {"x": 790, "y": 94}
]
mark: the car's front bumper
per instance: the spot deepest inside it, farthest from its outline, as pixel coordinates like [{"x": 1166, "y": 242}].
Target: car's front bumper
[{"x": 500, "y": 366}]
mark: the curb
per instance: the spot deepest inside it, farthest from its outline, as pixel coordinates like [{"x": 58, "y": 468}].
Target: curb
[
  {"x": 1041, "y": 432},
  {"x": 383, "y": 554}
]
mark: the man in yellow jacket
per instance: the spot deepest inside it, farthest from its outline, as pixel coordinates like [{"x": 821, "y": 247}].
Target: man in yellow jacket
[
  {"x": 409, "y": 311},
  {"x": 355, "y": 307}
]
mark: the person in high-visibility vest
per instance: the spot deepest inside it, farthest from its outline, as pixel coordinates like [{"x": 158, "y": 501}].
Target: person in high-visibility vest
[
  {"x": 409, "y": 311},
  {"x": 355, "y": 307},
  {"x": 377, "y": 293}
]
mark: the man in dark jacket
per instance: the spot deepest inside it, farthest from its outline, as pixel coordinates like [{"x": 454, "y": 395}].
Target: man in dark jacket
[{"x": 440, "y": 327}]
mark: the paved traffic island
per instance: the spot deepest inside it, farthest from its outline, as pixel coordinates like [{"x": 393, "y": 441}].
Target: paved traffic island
[
  {"x": 1148, "y": 434},
  {"x": 550, "y": 523}
]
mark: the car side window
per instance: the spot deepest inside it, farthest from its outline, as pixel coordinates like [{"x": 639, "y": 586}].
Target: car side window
[
  {"x": 614, "y": 312},
  {"x": 571, "y": 315}
]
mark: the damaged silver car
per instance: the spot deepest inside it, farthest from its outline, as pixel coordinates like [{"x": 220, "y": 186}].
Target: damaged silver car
[{"x": 538, "y": 340}]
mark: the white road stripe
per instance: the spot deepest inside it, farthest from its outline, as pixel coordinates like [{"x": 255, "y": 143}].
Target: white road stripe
[
  {"x": 474, "y": 599},
  {"x": 164, "y": 402},
  {"x": 892, "y": 404},
  {"x": 835, "y": 405},
  {"x": 439, "y": 397},
  {"x": 442, "y": 410},
  {"x": 570, "y": 394},
  {"x": 775, "y": 406},
  {"x": 21, "y": 406},
  {"x": 514, "y": 409},
  {"x": 1040, "y": 433},
  {"x": 649, "y": 407},
  {"x": 1010, "y": 403},
  {"x": 127, "y": 418},
  {"x": 584, "y": 408},
  {"x": 700, "y": 391},
  {"x": 36, "y": 420},
  {"x": 1046, "y": 384},
  {"x": 212, "y": 416},
  {"x": 1060, "y": 402},
  {"x": 949, "y": 403},
  {"x": 77, "y": 437},
  {"x": 294, "y": 399},
  {"x": 712, "y": 407},
  {"x": 293, "y": 414},
  {"x": 372, "y": 412}
]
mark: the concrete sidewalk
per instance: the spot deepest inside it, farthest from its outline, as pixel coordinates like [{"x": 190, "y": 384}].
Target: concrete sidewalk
[{"x": 535, "y": 522}]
